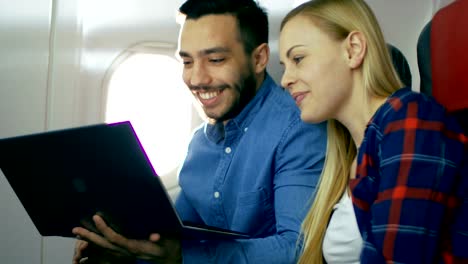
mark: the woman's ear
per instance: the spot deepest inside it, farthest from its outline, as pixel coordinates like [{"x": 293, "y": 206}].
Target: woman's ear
[
  {"x": 356, "y": 48},
  {"x": 260, "y": 57}
]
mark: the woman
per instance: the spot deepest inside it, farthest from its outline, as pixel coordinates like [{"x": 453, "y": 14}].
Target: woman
[{"x": 393, "y": 188}]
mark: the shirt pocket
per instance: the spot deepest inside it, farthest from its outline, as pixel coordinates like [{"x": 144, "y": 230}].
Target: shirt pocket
[{"x": 254, "y": 213}]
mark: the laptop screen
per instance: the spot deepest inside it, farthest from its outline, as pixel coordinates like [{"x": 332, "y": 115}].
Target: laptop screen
[{"x": 64, "y": 177}]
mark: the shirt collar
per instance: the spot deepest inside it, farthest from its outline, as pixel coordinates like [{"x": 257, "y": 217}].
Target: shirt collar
[
  {"x": 242, "y": 120},
  {"x": 215, "y": 132}
]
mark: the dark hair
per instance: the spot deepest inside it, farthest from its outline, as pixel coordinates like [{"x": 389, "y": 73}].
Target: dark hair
[{"x": 252, "y": 20}]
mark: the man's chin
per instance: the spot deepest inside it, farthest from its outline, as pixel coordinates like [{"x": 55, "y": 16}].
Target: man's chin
[
  {"x": 217, "y": 117},
  {"x": 214, "y": 118}
]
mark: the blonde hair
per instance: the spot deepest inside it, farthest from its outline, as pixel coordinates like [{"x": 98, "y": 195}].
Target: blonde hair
[{"x": 338, "y": 18}]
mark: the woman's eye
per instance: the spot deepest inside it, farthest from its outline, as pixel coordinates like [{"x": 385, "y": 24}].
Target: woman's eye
[{"x": 297, "y": 59}]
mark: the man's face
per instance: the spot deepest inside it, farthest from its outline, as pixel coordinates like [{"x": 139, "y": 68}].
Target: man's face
[{"x": 216, "y": 69}]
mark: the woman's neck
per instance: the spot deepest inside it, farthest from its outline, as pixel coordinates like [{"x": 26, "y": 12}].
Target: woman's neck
[{"x": 356, "y": 118}]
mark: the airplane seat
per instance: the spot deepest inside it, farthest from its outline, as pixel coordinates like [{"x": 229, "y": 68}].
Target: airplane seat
[
  {"x": 400, "y": 64},
  {"x": 442, "y": 49},
  {"x": 424, "y": 59}
]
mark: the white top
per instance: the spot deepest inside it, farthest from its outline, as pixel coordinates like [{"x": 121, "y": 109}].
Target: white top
[{"x": 342, "y": 242}]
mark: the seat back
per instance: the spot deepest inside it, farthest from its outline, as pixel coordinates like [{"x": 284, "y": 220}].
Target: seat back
[
  {"x": 424, "y": 59},
  {"x": 448, "y": 62},
  {"x": 400, "y": 64}
]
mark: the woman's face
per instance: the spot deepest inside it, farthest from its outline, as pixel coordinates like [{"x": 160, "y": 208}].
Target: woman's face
[{"x": 316, "y": 72}]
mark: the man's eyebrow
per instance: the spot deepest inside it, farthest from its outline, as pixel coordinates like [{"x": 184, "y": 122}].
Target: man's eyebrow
[
  {"x": 206, "y": 51},
  {"x": 184, "y": 54},
  {"x": 215, "y": 50}
]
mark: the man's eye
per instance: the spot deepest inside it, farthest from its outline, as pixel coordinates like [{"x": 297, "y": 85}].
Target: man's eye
[
  {"x": 217, "y": 60},
  {"x": 186, "y": 62}
]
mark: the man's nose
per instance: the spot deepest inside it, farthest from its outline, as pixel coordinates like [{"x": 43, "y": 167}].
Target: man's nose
[{"x": 199, "y": 75}]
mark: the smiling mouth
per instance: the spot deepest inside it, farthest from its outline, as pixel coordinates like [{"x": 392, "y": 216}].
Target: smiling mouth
[
  {"x": 208, "y": 98},
  {"x": 208, "y": 95}
]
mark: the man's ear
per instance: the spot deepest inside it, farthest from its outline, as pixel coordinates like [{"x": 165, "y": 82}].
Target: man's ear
[
  {"x": 356, "y": 49},
  {"x": 260, "y": 57}
]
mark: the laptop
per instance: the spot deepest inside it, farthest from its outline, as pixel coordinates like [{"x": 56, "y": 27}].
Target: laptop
[{"x": 64, "y": 177}]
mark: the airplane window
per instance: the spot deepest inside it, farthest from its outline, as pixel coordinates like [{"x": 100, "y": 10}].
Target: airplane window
[{"x": 147, "y": 89}]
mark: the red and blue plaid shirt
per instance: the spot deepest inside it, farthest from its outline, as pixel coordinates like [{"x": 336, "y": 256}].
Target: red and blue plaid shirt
[{"x": 411, "y": 191}]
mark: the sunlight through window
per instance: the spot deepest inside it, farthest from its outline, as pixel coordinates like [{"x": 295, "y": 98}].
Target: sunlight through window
[{"x": 147, "y": 89}]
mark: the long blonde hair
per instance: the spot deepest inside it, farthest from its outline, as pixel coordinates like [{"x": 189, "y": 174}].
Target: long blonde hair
[{"x": 338, "y": 18}]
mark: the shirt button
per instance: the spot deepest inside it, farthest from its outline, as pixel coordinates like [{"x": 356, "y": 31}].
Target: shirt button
[
  {"x": 216, "y": 195},
  {"x": 245, "y": 129},
  {"x": 228, "y": 150}
]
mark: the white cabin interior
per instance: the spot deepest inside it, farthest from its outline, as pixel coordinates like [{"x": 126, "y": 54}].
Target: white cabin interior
[{"x": 58, "y": 60}]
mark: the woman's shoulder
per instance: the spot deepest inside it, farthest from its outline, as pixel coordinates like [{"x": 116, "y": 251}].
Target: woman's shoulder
[
  {"x": 409, "y": 114},
  {"x": 405, "y": 104}
]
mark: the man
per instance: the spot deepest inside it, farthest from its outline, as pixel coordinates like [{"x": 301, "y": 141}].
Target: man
[{"x": 252, "y": 167}]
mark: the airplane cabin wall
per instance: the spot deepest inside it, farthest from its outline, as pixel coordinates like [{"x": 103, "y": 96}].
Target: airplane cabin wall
[
  {"x": 54, "y": 59},
  {"x": 24, "y": 60},
  {"x": 401, "y": 22}
]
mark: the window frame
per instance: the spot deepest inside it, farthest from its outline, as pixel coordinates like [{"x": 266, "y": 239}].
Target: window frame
[{"x": 170, "y": 179}]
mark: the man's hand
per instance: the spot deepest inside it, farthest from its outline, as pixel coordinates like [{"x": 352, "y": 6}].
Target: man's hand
[
  {"x": 86, "y": 253},
  {"x": 115, "y": 246}
]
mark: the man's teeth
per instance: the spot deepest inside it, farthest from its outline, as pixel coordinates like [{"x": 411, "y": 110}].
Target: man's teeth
[{"x": 207, "y": 96}]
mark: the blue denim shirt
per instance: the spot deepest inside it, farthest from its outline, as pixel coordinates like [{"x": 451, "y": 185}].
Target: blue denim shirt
[{"x": 255, "y": 175}]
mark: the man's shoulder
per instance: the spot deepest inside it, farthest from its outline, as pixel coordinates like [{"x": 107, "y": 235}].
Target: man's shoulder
[
  {"x": 280, "y": 113},
  {"x": 281, "y": 98},
  {"x": 280, "y": 102}
]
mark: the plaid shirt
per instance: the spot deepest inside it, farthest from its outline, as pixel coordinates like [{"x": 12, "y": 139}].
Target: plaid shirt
[{"x": 411, "y": 191}]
